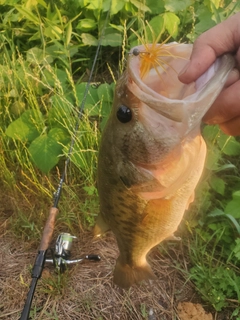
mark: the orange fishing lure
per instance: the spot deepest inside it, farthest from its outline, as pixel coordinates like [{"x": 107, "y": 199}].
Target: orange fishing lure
[{"x": 154, "y": 53}]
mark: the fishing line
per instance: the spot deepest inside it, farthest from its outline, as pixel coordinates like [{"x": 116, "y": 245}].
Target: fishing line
[
  {"x": 49, "y": 226},
  {"x": 80, "y": 114}
]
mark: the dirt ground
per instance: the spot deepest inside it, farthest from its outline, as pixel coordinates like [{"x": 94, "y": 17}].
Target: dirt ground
[{"x": 86, "y": 290}]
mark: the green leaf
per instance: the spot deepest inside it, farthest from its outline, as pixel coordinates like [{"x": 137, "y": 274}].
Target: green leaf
[
  {"x": 140, "y": 5},
  {"x": 205, "y": 22},
  {"x": 88, "y": 39},
  {"x": 117, "y": 27},
  {"x": 217, "y": 184},
  {"x": 155, "y": 6},
  {"x": 234, "y": 222},
  {"x": 45, "y": 152},
  {"x": 212, "y": 159},
  {"x": 62, "y": 76},
  {"x": 227, "y": 166},
  {"x": 60, "y": 114},
  {"x": 90, "y": 104},
  {"x": 55, "y": 49},
  {"x": 236, "y": 194},
  {"x": 229, "y": 145},
  {"x": 54, "y": 77},
  {"x": 68, "y": 33},
  {"x": 157, "y": 26},
  {"x": 177, "y": 5},
  {"x": 117, "y": 6},
  {"x": 26, "y": 127},
  {"x": 90, "y": 190},
  {"x": 216, "y": 14},
  {"x": 42, "y": 2},
  {"x": 219, "y": 213},
  {"x": 171, "y": 22},
  {"x": 210, "y": 3},
  {"x": 216, "y": 213},
  {"x": 27, "y": 14},
  {"x": 86, "y": 24},
  {"x": 211, "y": 133},
  {"x": 53, "y": 32},
  {"x": 236, "y": 250},
  {"x": 17, "y": 107},
  {"x": 95, "y": 5},
  {"x": 216, "y": 3},
  {"x": 233, "y": 208},
  {"x": 105, "y": 92},
  {"x": 12, "y": 94},
  {"x": 36, "y": 55},
  {"x": 59, "y": 135},
  {"x": 112, "y": 38}
]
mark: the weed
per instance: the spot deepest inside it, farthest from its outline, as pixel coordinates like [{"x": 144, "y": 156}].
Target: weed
[
  {"x": 23, "y": 227},
  {"x": 54, "y": 284},
  {"x": 143, "y": 311}
]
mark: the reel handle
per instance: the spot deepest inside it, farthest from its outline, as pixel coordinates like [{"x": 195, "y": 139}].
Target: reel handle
[{"x": 93, "y": 257}]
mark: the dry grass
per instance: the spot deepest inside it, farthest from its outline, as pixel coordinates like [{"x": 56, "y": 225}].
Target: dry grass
[{"x": 86, "y": 290}]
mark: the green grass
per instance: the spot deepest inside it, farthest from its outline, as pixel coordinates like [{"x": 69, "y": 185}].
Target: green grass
[{"x": 25, "y": 88}]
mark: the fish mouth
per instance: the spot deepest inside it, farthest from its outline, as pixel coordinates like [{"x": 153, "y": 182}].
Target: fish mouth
[
  {"x": 158, "y": 86},
  {"x": 159, "y": 75}
]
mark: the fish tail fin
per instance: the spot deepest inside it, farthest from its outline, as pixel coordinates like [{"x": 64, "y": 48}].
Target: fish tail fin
[
  {"x": 125, "y": 276},
  {"x": 100, "y": 227}
]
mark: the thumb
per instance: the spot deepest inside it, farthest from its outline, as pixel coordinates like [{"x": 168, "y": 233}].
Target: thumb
[{"x": 223, "y": 38}]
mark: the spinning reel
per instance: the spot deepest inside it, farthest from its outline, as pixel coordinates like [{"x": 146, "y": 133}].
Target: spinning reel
[{"x": 61, "y": 256}]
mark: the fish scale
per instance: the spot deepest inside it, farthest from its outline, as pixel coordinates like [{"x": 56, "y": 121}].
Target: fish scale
[{"x": 151, "y": 158}]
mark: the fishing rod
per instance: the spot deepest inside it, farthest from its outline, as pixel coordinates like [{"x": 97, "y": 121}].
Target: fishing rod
[{"x": 64, "y": 241}]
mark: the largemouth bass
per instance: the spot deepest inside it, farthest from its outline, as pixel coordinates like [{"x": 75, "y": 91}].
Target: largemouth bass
[{"x": 152, "y": 153}]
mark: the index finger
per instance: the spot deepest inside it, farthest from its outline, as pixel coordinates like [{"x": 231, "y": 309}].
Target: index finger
[{"x": 223, "y": 38}]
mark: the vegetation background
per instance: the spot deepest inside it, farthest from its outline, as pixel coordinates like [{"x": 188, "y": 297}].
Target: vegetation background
[{"x": 47, "y": 50}]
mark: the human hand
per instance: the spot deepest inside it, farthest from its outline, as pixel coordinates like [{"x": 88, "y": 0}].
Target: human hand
[{"x": 223, "y": 38}]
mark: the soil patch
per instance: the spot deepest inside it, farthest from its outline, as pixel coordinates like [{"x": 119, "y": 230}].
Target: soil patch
[{"x": 191, "y": 311}]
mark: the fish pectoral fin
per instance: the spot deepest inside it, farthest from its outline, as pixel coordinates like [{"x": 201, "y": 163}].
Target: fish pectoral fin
[
  {"x": 132, "y": 175},
  {"x": 125, "y": 275},
  {"x": 100, "y": 227},
  {"x": 126, "y": 181}
]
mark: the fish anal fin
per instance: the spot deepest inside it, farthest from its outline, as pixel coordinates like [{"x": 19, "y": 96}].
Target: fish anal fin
[
  {"x": 100, "y": 227},
  {"x": 173, "y": 238},
  {"x": 190, "y": 200},
  {"x": 125, "y": 276}
]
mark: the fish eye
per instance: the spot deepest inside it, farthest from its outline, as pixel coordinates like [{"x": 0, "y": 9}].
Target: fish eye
[{"x": 124, "y": 114}]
